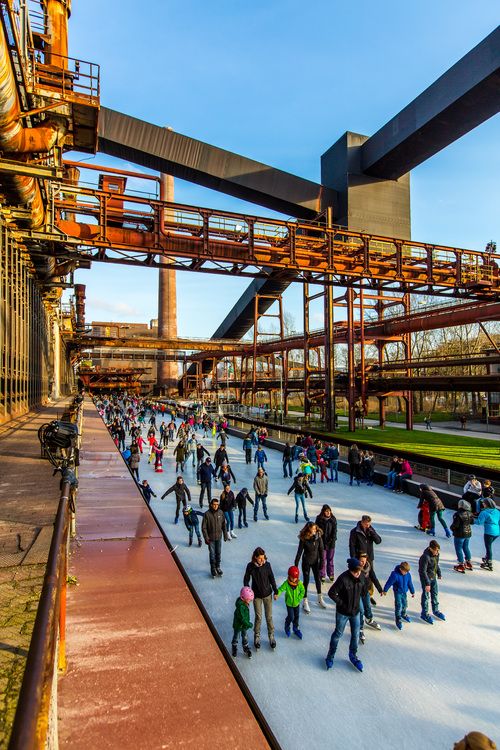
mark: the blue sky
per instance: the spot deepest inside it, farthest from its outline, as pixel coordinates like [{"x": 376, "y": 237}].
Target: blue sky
[{"x": 280, "y": 81}]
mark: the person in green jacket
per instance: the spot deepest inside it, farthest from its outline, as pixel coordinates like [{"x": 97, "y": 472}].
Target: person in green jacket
[
  {"x": 241, "y": 621},
  {"x": 294, "y": 593}
]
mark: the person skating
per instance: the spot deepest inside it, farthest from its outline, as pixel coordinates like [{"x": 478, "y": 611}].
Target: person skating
[
  {"x": 310, "y": 549},
  {"x": 220, "y": 457},
  {"x": 472, "y": 492},
  {"x": 263, "y": 583},
  {"x": 213, "y": 528},
  {"x": 346, "y": 593},
  {"x": 260, "y": 458},
  {"x": 300, "y": 488},
  {"x": 226, "y": 474},
  {"x": 227, "y": 505},
  {"x": 247, "y": 447},
  {"x": 206, "y": 472},
  {"x": 192, "y": 524},
  {"x": 182, "y": 495},
  {"x": 261, "y": 488},
  {"x": 461, "y": 528},
  {"x": 180, "y": 453},
  {"x": 429, "y": 572},
  {"x": 436, "y": 508},
  {"x": 361, "y": 539},
  {"x": 490, "y": 518},
  {"x": 200, "y": 452},
  {"x": 241, "y": 621},
  {"x": 287, "y": 461},
  {"x": 401, "y": 582},
  {"x": 424, "y": 515},
  {"x": 294, "y": 593},
  {"x": 242, "y": 498},
  {"x": 370, "y": 578},
  {"x": 147, "y": 491},
  {"x": 327, "y": 522}
]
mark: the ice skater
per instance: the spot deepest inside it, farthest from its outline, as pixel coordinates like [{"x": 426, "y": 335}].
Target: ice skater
[
  {"x": 346, "y": 592},
  {"x": 263, "y": 582},
  {"x": 182, "y": 495},
  {"x": 327, "y": 522},
  {"x": 213, "y": 528},
  {"x": 310, "y": 549},
  {"x": 242, "y": 498},
  {"x": 241, "y": 621},
  {"x": 300, "y": 488},
  {"x": 430, "y": 572},
  {"x": 294, "y": 593},
  {"x": 401, "y": 582},
  {"x": 192, "y": 524}
]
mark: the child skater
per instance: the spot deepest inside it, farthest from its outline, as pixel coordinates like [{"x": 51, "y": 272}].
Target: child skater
[
  {"x": 241, "y": 501},
  {"x": 241, "y": 621},
  {"x": 294, "y": 593},
  {"x": 192, "y": 524},
  {"x": 400, "y": 580}
]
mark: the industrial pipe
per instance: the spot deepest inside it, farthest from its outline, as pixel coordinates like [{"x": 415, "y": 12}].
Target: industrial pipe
[
  {"x": 16, "y": 139},
  {"x": 58, "y": 13}
]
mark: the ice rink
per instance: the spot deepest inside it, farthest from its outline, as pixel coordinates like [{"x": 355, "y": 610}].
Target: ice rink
[{"x": 423, "y": 687}]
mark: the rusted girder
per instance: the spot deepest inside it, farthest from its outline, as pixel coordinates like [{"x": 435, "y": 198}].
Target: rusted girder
[
  {"x": 238, "y": 242},
  {"x": 177, "y": 344}
]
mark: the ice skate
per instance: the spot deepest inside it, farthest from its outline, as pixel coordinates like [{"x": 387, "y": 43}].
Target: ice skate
[
  {"x": 321, "y": 603},
  {"x": 439, "y": 615},
  {"x": 399, "y": 625},
  {"x": 256, "y": 643},
  {"x": 362, "y": 637},
  {"x": 329, "y": 663},
  {"x": 460, "y": 568},
  {"x": 487, "y": 565},
  {"x": 373, "y": 624},
  {"x": 298, "y": 633},
  {"x": 306, "y": 607},
  {"x": 427, "y": 618},
  {"x": 233, "y": 535},
  {"x": 247, "y": 651},
  {"x": 406, "y": 618},
  {"x": 355, "y": 661},
  {"x": 468, "y": 565},
  {"x": 272, "y": 643},
  {"x": 287, "y": 631},
  {"x": 219, "y": 572},
  {"x": 234, "y": 650}
]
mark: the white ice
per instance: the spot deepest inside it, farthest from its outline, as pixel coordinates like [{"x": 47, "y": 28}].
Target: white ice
[{"x": 423, "y": 687}]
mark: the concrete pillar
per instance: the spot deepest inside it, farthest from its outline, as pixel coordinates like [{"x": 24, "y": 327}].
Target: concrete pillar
[
  {"x": 56, "y": 343},
  {"x": 167, "y": 374}
]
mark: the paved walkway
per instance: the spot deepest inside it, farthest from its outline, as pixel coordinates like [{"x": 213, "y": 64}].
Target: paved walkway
[{"x": 29, "y": 496}]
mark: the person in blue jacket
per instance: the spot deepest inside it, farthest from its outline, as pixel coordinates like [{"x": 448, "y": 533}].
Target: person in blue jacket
[
  {"x": 401, "y": 583},
  {"x": 260, "y": 457},
  {"x": 192, "y": 524},
  {"x": 490, "y": 517}
]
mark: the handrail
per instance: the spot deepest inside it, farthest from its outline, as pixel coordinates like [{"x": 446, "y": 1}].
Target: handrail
[{"x": 31, "y": 721}]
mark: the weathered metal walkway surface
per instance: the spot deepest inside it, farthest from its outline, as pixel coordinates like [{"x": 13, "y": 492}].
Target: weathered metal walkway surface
[{"x": 144, "y": 670}]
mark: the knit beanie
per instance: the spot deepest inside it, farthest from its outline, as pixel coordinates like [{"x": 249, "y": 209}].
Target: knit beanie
[{"x": 353, "y": 563}]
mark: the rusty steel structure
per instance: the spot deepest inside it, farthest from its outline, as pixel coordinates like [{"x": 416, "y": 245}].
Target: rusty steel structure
[{"x": 52, "y": 224}]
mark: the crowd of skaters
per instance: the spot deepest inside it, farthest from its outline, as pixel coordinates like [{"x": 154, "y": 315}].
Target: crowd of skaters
[{"x": 306, "y": 461}]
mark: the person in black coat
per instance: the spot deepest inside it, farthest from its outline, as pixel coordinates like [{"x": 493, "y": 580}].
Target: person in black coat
[
  {"x": 220, "y": 457},
  {"x": 361, "y": 539},
  {"x": 241, "y": 501},
  {"x": 436, "y": 508},
  {"x": 354, "y": 461},
  {"x": 327, "y": 522},
  {"x": 429, "y": 572},
  {"x": 346, "y": 592},
  {"x": 182, "y": 495},
  {"x": 311, "y": 550},
  {"x": 461, "y": 528},
  {"x": 213, "y": 528},
  {"x": 206, "y": 472},
  {"x": 263, "y": 585}
]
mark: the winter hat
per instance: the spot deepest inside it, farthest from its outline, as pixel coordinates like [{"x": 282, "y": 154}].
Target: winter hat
[
  {"x": 470, "y": 477},
  {"x": 353, "y": 563},
  {"x": 475, "y": 741},
  {"x": 247, "y": 594},
  {"x": 293, "y": 572},
  {"x": 464, "y": 505}
]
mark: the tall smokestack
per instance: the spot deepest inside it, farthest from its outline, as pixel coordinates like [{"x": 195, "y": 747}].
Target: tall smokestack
[{"x": 167, "y": 375}]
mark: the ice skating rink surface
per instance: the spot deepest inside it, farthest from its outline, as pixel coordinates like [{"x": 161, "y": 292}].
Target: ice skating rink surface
[{"x": 423, "y": 687}]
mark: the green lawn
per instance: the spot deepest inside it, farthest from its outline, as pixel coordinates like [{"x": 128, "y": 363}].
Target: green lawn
[{"x": 467, "y": 450}]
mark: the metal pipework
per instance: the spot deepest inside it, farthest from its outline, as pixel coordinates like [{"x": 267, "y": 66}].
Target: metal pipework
[
  {"x": 58, "y": 13},
  {"x": 14, "y": 138},
  {"x": 80, "y": 306}
]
